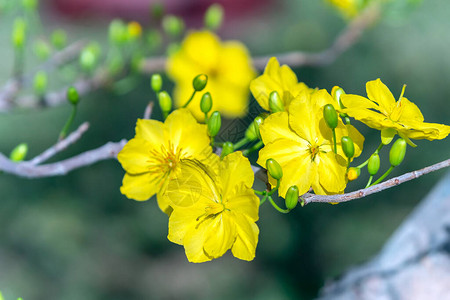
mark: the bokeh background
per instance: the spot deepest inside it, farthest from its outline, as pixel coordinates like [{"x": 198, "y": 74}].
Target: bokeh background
[{"x": 76, "y": 237}]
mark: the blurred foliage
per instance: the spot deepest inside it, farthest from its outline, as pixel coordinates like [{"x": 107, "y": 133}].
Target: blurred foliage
[{"x": 76, "y": 237}]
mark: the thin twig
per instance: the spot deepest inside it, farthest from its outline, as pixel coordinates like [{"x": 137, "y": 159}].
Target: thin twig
[
  {"x": 310, "y": 198},
  {"x": 61, "y": 145}
]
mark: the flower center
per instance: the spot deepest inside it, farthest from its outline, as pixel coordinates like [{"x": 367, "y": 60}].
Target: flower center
[
  {"x": 165, "y": 160},
  {"x": 212, "y": 210}
]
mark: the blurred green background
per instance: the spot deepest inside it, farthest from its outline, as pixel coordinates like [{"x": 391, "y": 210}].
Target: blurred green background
[{"x": 76, "y": 237}]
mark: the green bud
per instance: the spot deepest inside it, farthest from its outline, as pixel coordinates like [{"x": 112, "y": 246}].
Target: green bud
[
  {"x": 30, "y": 5},
  {"x": 19, "y": 152},
  {"x": 252, "y": 133},
  {"x": 214, "y": 124},
  {"x": 353, "y": 173},
  {"x": 40, "y": 83},
  {"x": 274, "y": 169},
  {"x": 200, "y": 82},
  {"x": 206, "y": 103},
  {"x": 156, "y": 82},
  {"x": 165, "y": 101},
  {"x": 59, "y": 39},
  {"x": 89, "y": 56},
  {"x": 118, "y": 32},
  {"x": 291, "y": 199},
  {"x": 72, "y": 95},
  {"x": 156, "y": 10},
  {"x": 19, "y": 33},
  {"x": 347, "y": 146},
  {"x": 214, "y": 16},
  {"x": 330, "y": 116},
  {"x": 336, "y": 93},
  {"x": 227, "y": 148},
  {"x": 275, "y": 102},
  {"x": 173, "y": 25},
  {"x": 397, "y": 153},
  {"x": 374, "y": 164},
  {"x": 41, "y": 49}
]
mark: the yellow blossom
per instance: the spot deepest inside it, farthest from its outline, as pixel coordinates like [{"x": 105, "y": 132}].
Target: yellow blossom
[
  {"x": 214, "y": 211},
  {"x": 301, "y": 142},
  {"x": 134, "y": 29},
  {"x": 382, "y": 112},
  {"x": 152, "y": 157},
  {"x": 349, "y": 8},
  {"x": 275, "y": 78},
  {"x": 229, "y": 70}
]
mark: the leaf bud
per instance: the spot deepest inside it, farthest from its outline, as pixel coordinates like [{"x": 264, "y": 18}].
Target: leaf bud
[
  {"x": 72, "y": 95},
  {"x": 397, "y": 153},
  {"x": 200, "y": 82},
  {"x": 374, "y": 164},
  {"x": 252, "y": 133},
  {"x": 206, "y": 103},
  {"x": 165, "y": 101},
  {"x": 19, "y": 152},
  {"x": 214, "y": 124},
  {"x": 330, "y": 116},
  {"x": 291, "y": 199},
  {"x": 173, "y": 25},
  {"x": 275, "y": 102},
  {"x": 40, "y": 83},
  {"x": 274, "y": 169},
  {"x": 227, "y": 148},
  {"x": 214, "y": 16},
  {"x": 347, "y": 146},
  {"x": 353, "y": 173},
  {"x": 59, "y": 39}
]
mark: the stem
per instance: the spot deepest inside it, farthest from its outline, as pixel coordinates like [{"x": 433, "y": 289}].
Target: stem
[
  {"x": 384, "y": 175},
  {"x": 334, "y": 140},
  {"x": 369, "y": 182},
  {"x": 206, "y": 118},
  {"x": 18, "y": 62},
  {"x": 241, "y": 143},
  {"x": 263, "y": 200},
  {"x": 255, "y": 147},
  {"x": 190, "y": 99},
  {"x": 283, "y": 211},
  {"x": 367, "y": 161},
  {"x": 68, "y": 123},
  {"x": 276, "y": 188},
  {"x": 261, "y": 193}
]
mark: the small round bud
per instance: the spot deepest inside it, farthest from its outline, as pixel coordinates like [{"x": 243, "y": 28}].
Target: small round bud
[
  {"x": 59, "y": 39},
  {"x": 397, "y": 153},
  {"x": 353, "y": 173},
  {"x": 156, "y": 82},
  {"x": 227, "y": 148},
  {"x": 19, "y": 33},
  {"x": 374, "y": 164},
  {"x": 206, "y": 103},
  {"x": 165, "y": 102},
  {"x": 118, "y": 32},
  {"x": 336, "y": 93},
  {"x": 291, "y": 199},
  {"x": 30, "y": 5},
  {"x": 87, "y": 60},
  {"x": 19, "y": 152},
  {"x": 72, "y": 95},
  {"x": 347, "y": 146},
  {"x": 172, "y": 25},
  {"x": 200, "y": 82},
  {"x": 41, "y": 49},
  {"x": 214, "y": 124},
  {"x": 40, "y": 83},
  {"x": 275, "y": 102},
  {"x": 252, "y": 133},
  {"x": 214, "y": 16},
  {"x": 274, "y": 169},
  {"x": 134, "y": 30},
  {"x": 330, "y": 116}
]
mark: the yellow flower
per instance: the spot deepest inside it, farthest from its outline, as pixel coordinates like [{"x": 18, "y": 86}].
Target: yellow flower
[
  {"x": 229, "y": 70},
  {"x": 134, "y": 29},
  {"x": 301, "y": 142},
  {"x": 349, "y": 8},
  {"x": 382, "y": 112},
  {"x": 275, "y": 78},
  {"x": 214, "y": 211},
  {"x": 152, "y": 157}
]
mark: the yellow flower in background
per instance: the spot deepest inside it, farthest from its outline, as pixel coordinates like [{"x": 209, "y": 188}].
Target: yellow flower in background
[
  {"x": 134, "y": 29},
  {"x": 301, "y": 142},
  {"x": 349, "y": 8},
  {"x": 382, "y": 112},
  {"x": 214, "y": 211},
  {"x": 229, "y": 70},
  {"x": 152, "y": 157},
  {"x": 275, "y": 78}
]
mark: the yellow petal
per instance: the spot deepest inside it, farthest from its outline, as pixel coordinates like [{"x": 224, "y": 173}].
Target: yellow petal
[
  {"x": 202, "y": 47},
  {"x": 352, "y": 102},
  {"x": 244, "y": 246},
  {"x": 134, "y": 157},
  {"x": 221, "y": 235},
  {"x": 234, "y": 170},
  {"x": 141, "y": 187},
  {"x": 150, "y": 130},
  {"x": 410, "y": 111},
  {"x": 182, "y": 220},
  {"x": 303, "y": 116},
  {"x": 379, "y": 92},
  {"x": 194, "y": 241},
  {"x": 357, "y": 138},
  {"x": 423, "y": 130},
  {"x": 243, "y": 200},
  {"x": 276, "y": 126},
  {"x": 332, "y": 169},
  {"x": 235, "y": 67},
  {"x": 163, "y": 203}
]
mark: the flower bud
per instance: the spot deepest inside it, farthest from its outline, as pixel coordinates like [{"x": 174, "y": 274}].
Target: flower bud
[
  {"x": 252, "y": 133},
  {"x": 172, "y": 25},
  {"x": 330, "y": 116},
  {"x": 200, "y": 82},
  {"x": 40, "y": 83},
  {"x": 118, "y": 32},
  {"x": 206, "y": 103},
  {"x": 87, "y": 59},
  {"x": 397, "y": 153},
  {"x": 165, "y": 101},
  {"x": 227, "y": 148},
  {"x": 59, "y": 39},
  {"x": 19, "y": 152},
  {"x": 72, "y": 95},
  {"x": 214, "y": 16},
  {"x": 134, "y": 30},
  {"x": 214, "y": 124},
  {"x": 336, "y": 93},
  {"x": 19, "y": 33},
  {"x": 291, "y": 199},
  {"x": 374, "y": 164},
  {"x": 41, "y": 49},
  {"x": 275, "y": 102},
  {"x": 353, "y": 173},
  {"x": 347, "y": 146},
  {"x": 156, "y": 82},
  {"x": 274, "y": 169}
]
